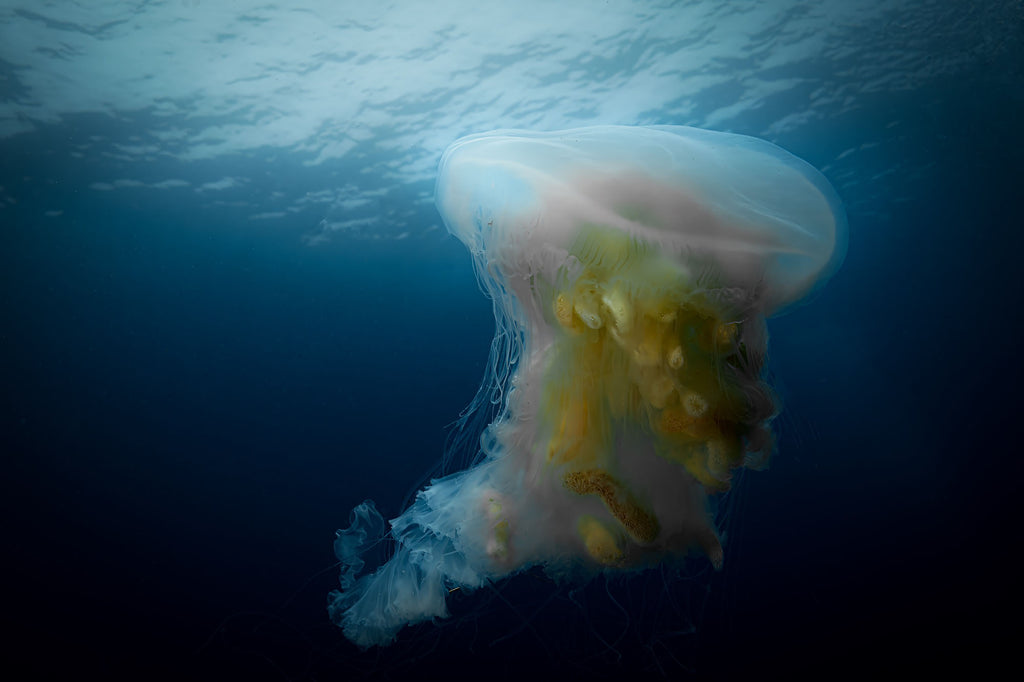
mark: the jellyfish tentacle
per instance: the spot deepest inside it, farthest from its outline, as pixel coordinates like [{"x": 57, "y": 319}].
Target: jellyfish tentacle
[{"x": 641, "y": 525}]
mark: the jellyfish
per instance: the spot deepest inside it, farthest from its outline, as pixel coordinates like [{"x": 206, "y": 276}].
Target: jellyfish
[{"x": 631, "y": 271}]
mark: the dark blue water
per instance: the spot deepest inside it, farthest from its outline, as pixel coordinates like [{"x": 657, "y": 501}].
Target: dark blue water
[{"x": 193, "y": 402}]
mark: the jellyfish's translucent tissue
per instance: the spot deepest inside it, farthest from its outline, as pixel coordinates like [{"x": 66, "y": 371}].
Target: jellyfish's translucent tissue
[{"x": 632, "y": 270}]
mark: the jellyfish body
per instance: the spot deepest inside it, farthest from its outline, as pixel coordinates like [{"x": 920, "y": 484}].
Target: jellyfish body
[{"x": 632, "y": 270}]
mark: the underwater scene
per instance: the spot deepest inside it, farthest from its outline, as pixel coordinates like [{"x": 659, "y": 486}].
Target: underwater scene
[{"x": 496, "y": 340}]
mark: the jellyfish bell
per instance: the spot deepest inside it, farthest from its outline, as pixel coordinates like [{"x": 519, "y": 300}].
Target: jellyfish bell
[
  {"x": 631, "y": 270},
  {"x": 763, "y": 216}
]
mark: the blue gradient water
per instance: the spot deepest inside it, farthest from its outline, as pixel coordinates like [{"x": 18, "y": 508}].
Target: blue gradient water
[{"x": 229, "y": 313}]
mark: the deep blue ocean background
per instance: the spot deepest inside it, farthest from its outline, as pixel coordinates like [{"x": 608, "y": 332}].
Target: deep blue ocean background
[{"x": 229, "y": 312}]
